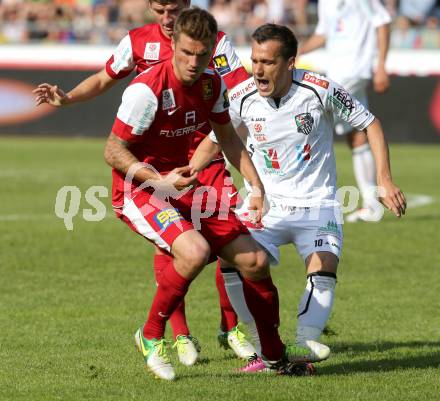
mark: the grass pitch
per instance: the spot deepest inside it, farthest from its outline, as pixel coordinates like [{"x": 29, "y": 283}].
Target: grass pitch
[{"x": 70, "y": 301}]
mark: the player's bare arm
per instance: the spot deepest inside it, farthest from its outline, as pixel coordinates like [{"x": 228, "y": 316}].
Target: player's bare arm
[
  {"x": 204, "y": 154},
  {"x": 91, "y": 87},
  {"x": 391, "y": 197},
  {"x": 238, "y": 156},
  {"x": 314, "y": 42},
  {"x": 381, "y": 80},
  {"x": 117, "y": 154}
]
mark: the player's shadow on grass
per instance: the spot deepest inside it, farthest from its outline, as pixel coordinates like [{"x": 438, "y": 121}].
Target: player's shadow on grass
[
  {"x": 381, "y": 365},
  {"x": 385, "y": 363},
  {"x": 380, "y": 346}
]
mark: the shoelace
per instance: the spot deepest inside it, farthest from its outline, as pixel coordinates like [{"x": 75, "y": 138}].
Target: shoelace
[
  {"x": 180, "y": 344},
  {"x": 161, "y": 347},
  {"x": 253, "y": 360}
]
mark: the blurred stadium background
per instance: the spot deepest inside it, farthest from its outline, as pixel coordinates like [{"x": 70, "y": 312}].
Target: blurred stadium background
[{"x": 64, "y": 41}]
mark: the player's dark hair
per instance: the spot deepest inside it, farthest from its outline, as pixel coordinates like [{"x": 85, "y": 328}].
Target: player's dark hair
[
  {"x": 196, "y": 23},
  {"x": 289, "y": 43}
]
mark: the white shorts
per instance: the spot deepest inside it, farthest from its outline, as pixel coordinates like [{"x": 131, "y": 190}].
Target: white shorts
[
  {"x": 309, "y": 229},
  {"x": 358, "y": 89}
]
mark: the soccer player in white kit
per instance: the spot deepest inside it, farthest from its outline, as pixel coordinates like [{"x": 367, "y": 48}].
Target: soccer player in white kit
[
  {"x": 353, "y": 31},
  {"x": 289, "y": 115}
]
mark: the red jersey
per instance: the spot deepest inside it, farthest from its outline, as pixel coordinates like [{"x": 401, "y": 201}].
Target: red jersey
[
  {"x": 159, "y": 116},
  {"x": 147, "y": 45}
]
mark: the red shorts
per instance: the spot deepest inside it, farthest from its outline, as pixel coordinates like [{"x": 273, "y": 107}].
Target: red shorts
[
  {"x": 162, "y": 222},
  {"x": 216, "y": 176}
]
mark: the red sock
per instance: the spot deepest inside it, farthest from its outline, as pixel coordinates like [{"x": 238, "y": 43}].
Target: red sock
[
  {"x": 169, "y": 294},
  {"x": 177, "y": 319},
  {"x": 228, "y": 315},
  {"x": 262, "y": 300}
]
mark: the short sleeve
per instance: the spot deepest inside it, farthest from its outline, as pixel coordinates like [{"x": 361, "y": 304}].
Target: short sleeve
[
  {"x": 228, "y": 64},
  {"x": 136, "y": 112},
  {"x": 343, "y": 105},
  {"x": 121, "y": 63},
  {"x": 380, "y": 15},
  {"x": 234, "y": 113}
]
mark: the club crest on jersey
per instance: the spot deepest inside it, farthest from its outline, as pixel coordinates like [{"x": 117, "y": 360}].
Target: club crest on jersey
[
  {"x": 152, "y": 51},
  {"x": 304, "y": 123},
  {"x": 221, "y": 64},
  {"x": 168, "y": 101},
  {"x": 208, "y": 92}
]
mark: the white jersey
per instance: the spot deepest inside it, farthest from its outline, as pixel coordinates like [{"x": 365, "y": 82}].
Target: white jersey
[
  {"x": 292, "y": 145},
  {"x": 350, "y": 30}
]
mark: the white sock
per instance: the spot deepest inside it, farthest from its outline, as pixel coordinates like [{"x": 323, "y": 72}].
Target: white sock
[
  {"x": 365, "y": 173},
  {"x": 234, "y": 289},
  {"x": 315, "y": 306}
]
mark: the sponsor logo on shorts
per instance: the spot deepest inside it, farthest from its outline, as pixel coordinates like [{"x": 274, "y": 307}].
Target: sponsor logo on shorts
[
  {"x": 168, "y": 101},
  {"x": 246, "y": 89},
  {"x": 152, "y": 50},
  {"x": 330, "y": 229},
  {"x": 166, "y": 217},
  {"x": 315, "y": 80},
  {"x": 208, "y": 92},
  {"x": 343, "y": 101},
  {"x": 221, "y": 64},
  {"x": 304, "y": 123}
]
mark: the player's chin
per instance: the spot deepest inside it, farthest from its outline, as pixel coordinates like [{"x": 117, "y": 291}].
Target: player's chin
[{"x": 192, "y": 76}]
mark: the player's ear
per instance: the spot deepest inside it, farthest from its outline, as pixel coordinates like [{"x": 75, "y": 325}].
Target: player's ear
[{"x": 291, "y": 63}]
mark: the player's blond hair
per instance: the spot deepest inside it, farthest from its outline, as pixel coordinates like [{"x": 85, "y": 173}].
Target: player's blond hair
[{"x": 196, "y": 23}]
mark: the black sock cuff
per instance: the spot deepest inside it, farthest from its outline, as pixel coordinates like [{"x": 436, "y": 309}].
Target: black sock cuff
[{"x": 322, "y": 274}]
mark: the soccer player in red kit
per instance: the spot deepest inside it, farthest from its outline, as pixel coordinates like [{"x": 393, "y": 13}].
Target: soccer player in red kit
[
  {"x": 150, "y": 141},
  {"x": 140, "y": 49}
]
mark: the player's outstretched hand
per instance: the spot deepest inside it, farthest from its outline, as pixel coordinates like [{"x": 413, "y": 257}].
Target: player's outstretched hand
[
  {"x": 51, "y": 94},
  {"x": 181, "y": 178},
  {"x": 392, "y": 197}
]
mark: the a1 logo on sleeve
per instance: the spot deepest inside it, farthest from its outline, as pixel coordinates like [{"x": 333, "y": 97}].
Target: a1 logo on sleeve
[
  {"x": 152, "y": 51},
  {"x": 168, "y": 101}
]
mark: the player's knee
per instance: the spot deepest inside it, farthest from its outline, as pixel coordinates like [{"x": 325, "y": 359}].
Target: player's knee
[
  {"x": 256, "y": 265},
  {"x": 196, "y": 256},
  {"x": 322, "y": 261}
]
